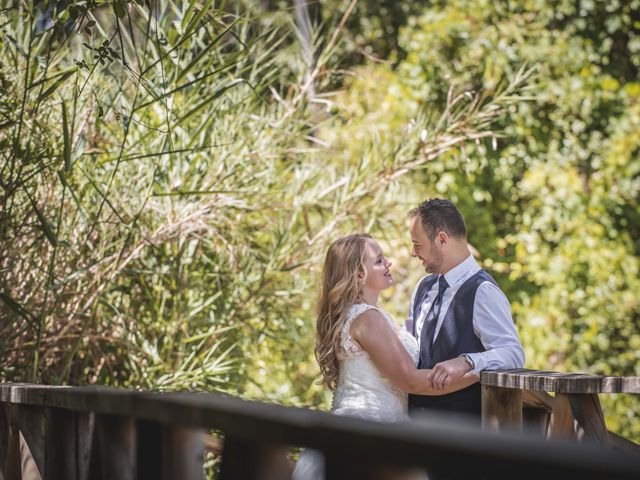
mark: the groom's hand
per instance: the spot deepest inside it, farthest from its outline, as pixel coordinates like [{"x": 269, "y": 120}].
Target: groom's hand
[{"x": 447, "y": 372}]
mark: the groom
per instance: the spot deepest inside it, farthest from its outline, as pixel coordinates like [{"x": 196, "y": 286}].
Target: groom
[{"x": 458, "y": 314}]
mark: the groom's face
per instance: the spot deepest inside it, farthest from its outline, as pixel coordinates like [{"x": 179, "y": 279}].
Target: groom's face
[{"x": 423, "y": 248}]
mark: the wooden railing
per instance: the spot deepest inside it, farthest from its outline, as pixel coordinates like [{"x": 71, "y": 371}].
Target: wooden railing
[
  {"x": 77, "y": 433},
  {"x": 518, "y": 400}
]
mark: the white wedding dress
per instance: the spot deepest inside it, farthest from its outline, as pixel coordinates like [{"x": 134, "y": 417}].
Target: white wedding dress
[{"x": 361, "y": 389}]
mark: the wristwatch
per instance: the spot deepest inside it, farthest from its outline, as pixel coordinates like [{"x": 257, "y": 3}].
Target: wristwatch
[{"x": 469, "y": 360}]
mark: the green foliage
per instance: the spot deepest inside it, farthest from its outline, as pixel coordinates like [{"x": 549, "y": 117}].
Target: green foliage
[
  {"x": 172, "y": 172},
  {"x": 373, "y": 30},
  {"x": 552, "y": 206},
  {"x": 170, "y": 184}
]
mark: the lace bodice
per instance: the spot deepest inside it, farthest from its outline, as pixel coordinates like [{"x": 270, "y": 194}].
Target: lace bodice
[{"x": 362, "y": 391}]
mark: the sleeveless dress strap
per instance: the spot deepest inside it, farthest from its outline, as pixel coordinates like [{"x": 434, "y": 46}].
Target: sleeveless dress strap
[{"x": 350, "y": 347}]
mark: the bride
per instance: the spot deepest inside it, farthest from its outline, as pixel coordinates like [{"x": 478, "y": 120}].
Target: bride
[{"x": 366, "y": 359}]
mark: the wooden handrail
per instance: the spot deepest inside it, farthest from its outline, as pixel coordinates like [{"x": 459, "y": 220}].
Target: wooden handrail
[
  {"x": 574, "y": 412},
  {"x": 547, "y": 381},
  {"x": 138, "y": 434}
]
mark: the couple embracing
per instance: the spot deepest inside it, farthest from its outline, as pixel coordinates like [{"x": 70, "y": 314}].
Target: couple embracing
[{"x": 459, "y": 324}]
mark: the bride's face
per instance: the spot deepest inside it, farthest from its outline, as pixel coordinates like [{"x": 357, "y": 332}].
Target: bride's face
[{"x": 377, "y": 267}]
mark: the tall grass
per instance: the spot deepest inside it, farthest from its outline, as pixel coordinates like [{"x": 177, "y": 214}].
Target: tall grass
[{"x": 167, "y": 191}]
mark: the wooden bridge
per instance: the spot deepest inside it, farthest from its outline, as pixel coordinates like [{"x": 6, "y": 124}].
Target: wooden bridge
[{"x": 78, "y": 433}]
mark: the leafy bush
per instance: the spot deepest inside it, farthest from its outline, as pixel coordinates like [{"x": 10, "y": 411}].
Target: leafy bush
[
  {"x": 170, "y": 181},
  {"x": 552, "y": 204}
]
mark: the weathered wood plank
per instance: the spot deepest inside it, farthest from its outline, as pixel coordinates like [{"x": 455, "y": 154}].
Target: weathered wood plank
[
  {"x": 149, "y": 450},
  {"x": 339, "y": 467},
  {"x": 623, "y": 444},
  {"x": 561, "y": 423},
  {"x": 117, "y": 447},
  {"x": 31, "y": 422},
  {"x": 11, "y": 448},
  {"x": 536, "y": 412},
  {"x": 165, "y": 452},
  {"x": 548, "y": 381},
  {"x": 441, "y": 439},
  {"x": 4, "y": 440},
  {"x": 183, "y": 453},
  {"x": 535, "y": 421},
  {"x": 60, "y": 445},
  {"x": 240, "y": 460},
  {"x": 28, "y": 467},
  {"x": 247, "y": 460},
  {"x": 85, "y": 426},
  {"x": 501, "y": 409},
  {"x": 588, "y": 414},
  {"x": 537, "y": 399}
]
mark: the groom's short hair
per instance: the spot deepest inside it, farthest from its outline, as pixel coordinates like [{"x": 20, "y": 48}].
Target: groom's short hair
[{"x": 439, "y": 215}]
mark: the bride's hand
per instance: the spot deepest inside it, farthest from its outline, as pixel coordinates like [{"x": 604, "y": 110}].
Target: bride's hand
[{"x": 444, "y": 374}]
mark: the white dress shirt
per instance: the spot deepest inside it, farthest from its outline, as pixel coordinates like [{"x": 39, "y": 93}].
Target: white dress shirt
[{"x": 492, "y": 322}]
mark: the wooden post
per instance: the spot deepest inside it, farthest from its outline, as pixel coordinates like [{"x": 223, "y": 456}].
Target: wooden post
[
  {"x": 240, "y": 460},
  {"x": 166, "y": 452},
  {"x": 501, "y": 409},
  {"x": 4, "y": 440},
  {"x": 338, "y": 468},
  {"x": 588, "y": 414},
  {"x": 60, "y": 445},
  {"x": 85, "y": 439},
  {"x": 255, "y": 430},
  {"x": 243, "y": 460},
  {"x": 561, "y": 423},
  {"x": 10, "y": 455},
  {"x": 183, "y": 453},
  {"x": 535, "y": 421},
  {"x": 28, "y": 467},
  {"x": 575, "y": 411},
  {"x": 31, "y": 422},
  {"x": 149, "y": 450},
  {"x": 116, "y": 447}
]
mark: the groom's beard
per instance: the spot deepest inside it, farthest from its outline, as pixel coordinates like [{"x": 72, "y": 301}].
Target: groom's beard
[
  {"x": 433, "y": 265},
  {"x": 428, "y": 267}
]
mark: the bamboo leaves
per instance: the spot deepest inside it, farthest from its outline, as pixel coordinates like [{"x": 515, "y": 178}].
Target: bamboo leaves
[
  {"x": 16, "y": 307},
  {"x": 59, "y": 79},
  {"x": 66, "y": 139},
  {"x": 193, "y": 234}
]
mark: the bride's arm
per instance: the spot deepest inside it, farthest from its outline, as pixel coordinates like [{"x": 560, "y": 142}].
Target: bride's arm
[{"x": 373, "y": 332}]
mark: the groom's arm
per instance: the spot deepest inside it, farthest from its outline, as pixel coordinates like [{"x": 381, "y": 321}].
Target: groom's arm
[{"x": 493, "y": 325}]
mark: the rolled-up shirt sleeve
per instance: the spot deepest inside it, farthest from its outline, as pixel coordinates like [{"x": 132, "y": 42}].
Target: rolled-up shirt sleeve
[{"x": 493, "y": 324}]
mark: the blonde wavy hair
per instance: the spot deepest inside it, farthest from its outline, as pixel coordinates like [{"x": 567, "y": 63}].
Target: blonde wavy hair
[{"x": 338, "y": 291}]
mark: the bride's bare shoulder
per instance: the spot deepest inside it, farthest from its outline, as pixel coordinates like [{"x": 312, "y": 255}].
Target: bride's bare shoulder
[{"x": 368, "y": 320}]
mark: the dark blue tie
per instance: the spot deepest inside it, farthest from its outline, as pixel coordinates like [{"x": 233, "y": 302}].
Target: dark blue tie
[{"x": 430, "y": 322}]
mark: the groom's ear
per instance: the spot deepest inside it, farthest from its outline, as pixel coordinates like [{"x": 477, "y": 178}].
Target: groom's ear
[{"x": 441, "y": 238}]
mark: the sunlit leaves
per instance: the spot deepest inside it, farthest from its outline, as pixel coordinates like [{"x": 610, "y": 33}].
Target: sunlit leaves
[{"x": 554, "y": 210}]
